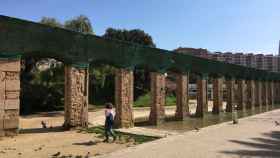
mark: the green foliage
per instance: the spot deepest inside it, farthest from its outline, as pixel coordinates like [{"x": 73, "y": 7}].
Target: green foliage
[
  {"x": 135, "y": 36},
  {"x": 145, "y": 100},
  {"x": 51, "y": 22},
  {"x": 80, "y": 24}
]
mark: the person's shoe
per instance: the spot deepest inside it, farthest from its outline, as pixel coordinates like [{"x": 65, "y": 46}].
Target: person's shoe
[
  {"x": 106, "y": 141},
  {"x": 114, "y": 138}
]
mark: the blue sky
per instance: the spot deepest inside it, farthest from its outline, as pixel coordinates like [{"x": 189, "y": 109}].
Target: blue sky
[{"x": 218, "y": 25}]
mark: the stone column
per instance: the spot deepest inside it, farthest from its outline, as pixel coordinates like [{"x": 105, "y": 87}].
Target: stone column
[
  {"x": 202, "y": 105},
  {"x": 251, "y": 94},
  {"x": 241, "y": 95},
  {"x": 218, "y": 95},
  {"x": 157, "y": 113},
  {"x": 265, "y": 93},
  {"x": 124, "y": 98},
  {"x": 258, "y": 99},
  {"x": 182, "y": 105},
  {"x": 270, "y": 93},
  {"x": 76, "y": 96},
  {"x": 230, "y": 83},
  {"x": 9, "y": 96}
]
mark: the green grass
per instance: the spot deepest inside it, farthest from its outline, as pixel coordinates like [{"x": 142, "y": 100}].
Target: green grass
[
  {"x": 127, "y": 137},
  {"x": 145, "y": 101}
]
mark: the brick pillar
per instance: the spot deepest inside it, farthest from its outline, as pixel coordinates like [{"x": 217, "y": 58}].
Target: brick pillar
[
  {"x": 251, "y": 94},
  {"x": 241, "y": 94},
  {"x": 9, "y": 96},
  {"x": 218, "y": 95},
  {"x": 124, "y": 98},
  {"x": 258, "y": 99},
  {"x": 230, "y": 83},
  {"x": 265, "y": 93},
  {"x": 76, "y": 96},
  {"x": 202, "y": 105},
  {"x": 157, "y": 113},
  {"x": 182, "y": 105}
]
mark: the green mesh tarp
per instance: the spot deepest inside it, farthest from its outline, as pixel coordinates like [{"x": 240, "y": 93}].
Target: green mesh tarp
[
  {"x": 10, "y": 56},
  {"x": 76, "y": 48}
]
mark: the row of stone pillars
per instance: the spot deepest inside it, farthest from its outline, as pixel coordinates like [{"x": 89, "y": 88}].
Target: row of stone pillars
[{"x": 259, "y": 93}]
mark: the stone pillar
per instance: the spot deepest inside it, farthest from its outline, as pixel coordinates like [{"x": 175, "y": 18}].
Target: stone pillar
[
  {"x": 157, "y": 113},
  {"x": 202, "y": 105},
  {"x": 124, "y": 98},
  {"x": 241, "y": 94},
  {"x": 76, "y": 96},
  {"x": 182, "y": 105},
  {"x": 258, "y": 99},
  {"x": 270, "y": 93},
  {"x": 9, "y": 96},
  {"x": 265, "y": 93},
  {"x": 230, "y": 83},
  {"x": 251, "y": 94},
  {"x": 218, "y": 95}
]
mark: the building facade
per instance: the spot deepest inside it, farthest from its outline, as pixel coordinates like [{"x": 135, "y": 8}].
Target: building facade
[{"x": 258, "y": 61}]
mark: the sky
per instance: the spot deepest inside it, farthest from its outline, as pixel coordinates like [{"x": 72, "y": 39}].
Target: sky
[{"x": 248, "y": 26}]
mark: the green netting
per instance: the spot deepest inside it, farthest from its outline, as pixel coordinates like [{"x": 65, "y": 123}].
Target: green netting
[
  {"x": 10, "y": 55},
  {"x": 72, "y": 47},
  {"x": 80, "y": 65}
]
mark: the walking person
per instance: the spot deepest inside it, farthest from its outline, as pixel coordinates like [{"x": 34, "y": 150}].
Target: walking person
[{"x": 109, "y": 122}]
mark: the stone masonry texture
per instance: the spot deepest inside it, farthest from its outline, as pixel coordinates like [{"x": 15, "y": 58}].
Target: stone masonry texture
[
  {"x": 251, "y": 94},
  {"x": 76, "y": 97},
  {"x": 202, "y": 105},
  {"x": 182, "y": 105},
  {"x": 158, "y": 91},
  {"x": 241, "y": 95},
  {"x": 230, "y": 83},
  {"x": 9, "y": 96},
  {"x": 124, "y": 98},
  {"x": 218, "y": 95}
]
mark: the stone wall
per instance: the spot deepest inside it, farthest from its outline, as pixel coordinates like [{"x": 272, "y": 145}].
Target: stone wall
[
  {"x": 157, "y": 98},
  {"x": 124, "y": 98},
  {"x": 76, "y": 97},
  {"x": 9, "y": 96}
]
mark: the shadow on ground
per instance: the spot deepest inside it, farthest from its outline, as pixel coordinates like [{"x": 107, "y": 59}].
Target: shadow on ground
[
  {"x": 42, "y": 130},
  {"x": 88, "y": 143},
  {"x": 260, "y": 147}
]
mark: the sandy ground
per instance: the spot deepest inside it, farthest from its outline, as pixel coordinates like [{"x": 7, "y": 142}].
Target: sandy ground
[
  {"x": 33, "y": 141},
  {"x": 255, "y": 136}
]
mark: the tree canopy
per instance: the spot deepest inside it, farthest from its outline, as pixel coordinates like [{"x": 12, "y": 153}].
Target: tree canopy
[
  {"x": 51, "y": 22},
  {"x": 135, "y": 36},
  {"x": 80, "y": 24}
]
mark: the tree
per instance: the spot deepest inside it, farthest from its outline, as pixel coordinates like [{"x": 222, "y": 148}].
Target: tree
[
  {"x": 142, "y": 84},
  {"x": 135, "y": 36},
  {"x": 79, "y": 24},
  {"x": 51, "y": 22}
]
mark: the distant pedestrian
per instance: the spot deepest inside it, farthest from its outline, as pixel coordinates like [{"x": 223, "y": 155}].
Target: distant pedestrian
[{"x": 109, "y": 122}]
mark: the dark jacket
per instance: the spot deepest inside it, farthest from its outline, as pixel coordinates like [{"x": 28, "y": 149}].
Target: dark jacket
[{"x": 109, "y": 122}]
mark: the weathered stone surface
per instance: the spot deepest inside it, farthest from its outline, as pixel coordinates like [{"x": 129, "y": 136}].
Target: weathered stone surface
[
  {"x": 251, "y": 94},
  {"x": 241, "y": 94},
  {"x": 265, "y": 94},
  {"x": 9, "y": 96},
  {"x": 76, "y": 97},
  {"x": 11, "y": 104},
  {"x": 218, "y": 95},
  {"x": 158, "y": 91},
  {"x": 182, "y": 102},
  {"x": 124, "y": 98},
  {"x": 258, "y": 100},
  {"x": 202, "y": 105},
  {"x": 10, "y": 65},
  {"x": 230, "y": 84}
]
